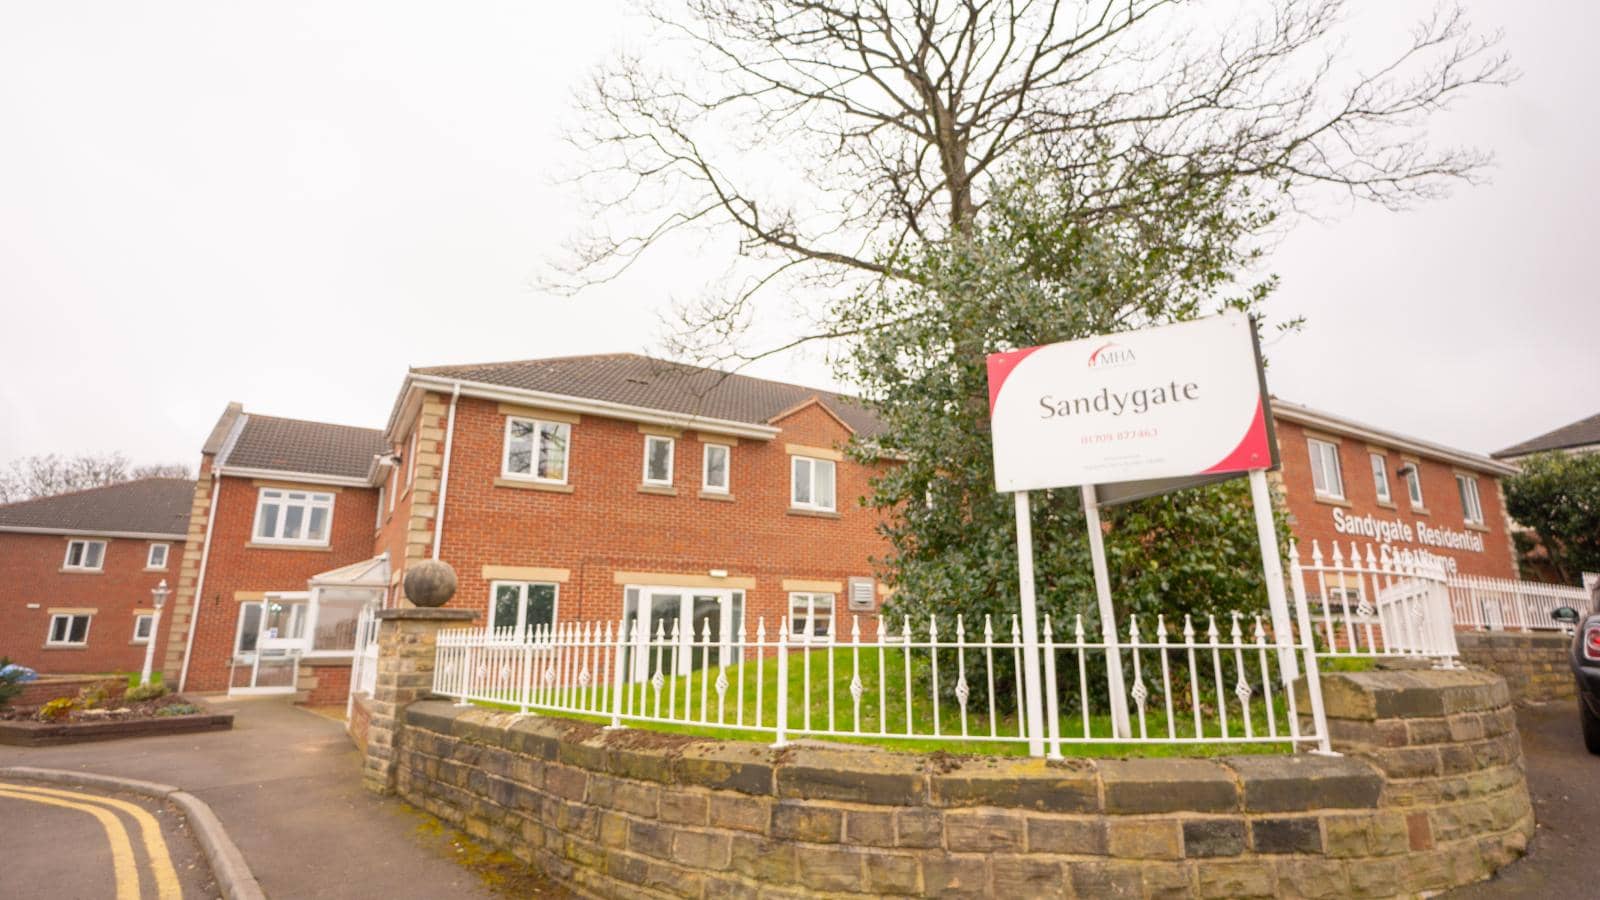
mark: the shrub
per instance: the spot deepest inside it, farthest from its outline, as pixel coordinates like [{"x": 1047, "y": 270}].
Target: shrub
[
  {"x": 95, "y": 695},
  {"x": 178, "y": 709},
  {"x": 144, "y": 692},
  {"x": 11, "y": 679},
  {"x": 58, "y": 708}
]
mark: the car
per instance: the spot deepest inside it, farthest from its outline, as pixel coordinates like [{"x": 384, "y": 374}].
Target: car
[{"x": 1585, "y": 667}]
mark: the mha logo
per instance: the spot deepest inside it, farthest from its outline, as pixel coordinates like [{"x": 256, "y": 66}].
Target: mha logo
[{"x": 1111, "y": 355}]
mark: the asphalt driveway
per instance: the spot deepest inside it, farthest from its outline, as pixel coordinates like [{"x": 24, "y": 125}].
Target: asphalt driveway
[
  {"x": 286, "y": 784},
  {"x": 1565, "y": 782}
]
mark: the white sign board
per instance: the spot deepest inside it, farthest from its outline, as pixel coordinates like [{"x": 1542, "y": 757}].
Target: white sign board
[{"x": 1168, "y": 402}]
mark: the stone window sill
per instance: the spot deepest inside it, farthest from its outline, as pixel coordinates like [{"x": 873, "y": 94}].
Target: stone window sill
[
  {"x": 1419, "y": 510},
  {"x": 1476, "y": 526},
  {"x": 66, "y": 646},
  {"x": 304, "y": 548},
  {"x": 665, "y": 490},
  {"x": 716, "y": 495},
  {"x": 66, "y": 571},
  {"x": 521, "y": 485},
  {"x": 1388, "y": 504},
  {"x": 1334, "y": 501},
  {"x": 814, "y": 513}
]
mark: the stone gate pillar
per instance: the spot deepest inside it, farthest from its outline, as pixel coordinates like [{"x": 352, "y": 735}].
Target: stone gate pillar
[{"x": 406, "y": 641}]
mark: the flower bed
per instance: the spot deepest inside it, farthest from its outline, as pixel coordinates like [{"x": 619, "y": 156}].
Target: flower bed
[{"x": 172, "y": 714}]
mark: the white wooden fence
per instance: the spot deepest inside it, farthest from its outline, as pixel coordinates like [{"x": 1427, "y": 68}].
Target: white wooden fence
[
  {"x": 1498, "y": 604},
  {"x": 364, "y": 665},
  {"x": 1217, "y": 680}
]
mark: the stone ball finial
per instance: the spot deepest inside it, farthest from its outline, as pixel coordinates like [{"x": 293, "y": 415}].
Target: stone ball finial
[{"x": 430, "y": 583}]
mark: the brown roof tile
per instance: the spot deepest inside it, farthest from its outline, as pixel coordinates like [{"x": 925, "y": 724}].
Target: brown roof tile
[
  {"x": 157, "y": 506},
  {"x": 1582, "y": 433},
  {"x": 295, "y": 445},
  {"x": 641, "y": 381}
]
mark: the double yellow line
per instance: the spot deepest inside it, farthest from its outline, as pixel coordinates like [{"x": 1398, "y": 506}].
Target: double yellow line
[{"x": 123, "y": 863}]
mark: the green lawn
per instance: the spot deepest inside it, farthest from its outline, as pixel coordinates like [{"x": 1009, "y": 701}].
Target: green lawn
[{"x": 908, "y": 714}]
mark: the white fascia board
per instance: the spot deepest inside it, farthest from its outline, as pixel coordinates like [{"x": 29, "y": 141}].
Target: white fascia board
[
  {"x": 80, "y": 532},
  {"x": 604, "y": 408},
  {"x": 1327, "y": 422},
  {"x": 304, "y": 477}
]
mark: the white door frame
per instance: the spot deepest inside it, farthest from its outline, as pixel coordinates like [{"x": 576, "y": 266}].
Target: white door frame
[
  {"x": 276, "y": 648},
  {"x": 642, "y": 595}
]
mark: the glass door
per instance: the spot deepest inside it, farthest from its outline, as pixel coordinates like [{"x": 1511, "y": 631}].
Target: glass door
[
  {"x": 268, "y": 645},
  {"x": 692, "y": 613}
]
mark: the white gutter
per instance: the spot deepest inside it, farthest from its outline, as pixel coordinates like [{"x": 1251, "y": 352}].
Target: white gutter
[
  {"x": 305, "y": 477},
  {"x": 200, "y": 577},
  {"x": 137, "y": 535},
  {"x": 1305, "y": 416},
  {"x": 444, "y": 472},
  {"x": 606, "y": 408}
]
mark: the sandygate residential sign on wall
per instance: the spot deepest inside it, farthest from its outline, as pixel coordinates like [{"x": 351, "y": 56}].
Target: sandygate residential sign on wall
[{"x": 1167, "y": 402}]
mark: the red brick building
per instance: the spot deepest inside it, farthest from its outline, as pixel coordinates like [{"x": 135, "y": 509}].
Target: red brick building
[
  {"x": 606, "y": 488},
  {"x": 578, "y": 489},
  {"x": 1344, "y": 481},
  {"x": 77, "y": 571}
]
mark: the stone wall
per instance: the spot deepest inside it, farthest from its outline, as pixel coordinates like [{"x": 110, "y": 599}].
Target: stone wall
[
  {"x": 1431, "y": 795},
  {"x": 1535, "y": 665}
]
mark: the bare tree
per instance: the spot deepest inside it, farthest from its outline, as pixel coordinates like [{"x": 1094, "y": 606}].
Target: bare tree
[
  {"x": 49, "y": 474},
  {"x": 831, "y": 134}
]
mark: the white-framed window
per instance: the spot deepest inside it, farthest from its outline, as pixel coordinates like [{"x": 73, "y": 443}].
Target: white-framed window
[
  {"x": 811, "y": 483},
  {"x": 411, "y": 461},
  {"x": 1326, "y": 478},
  {"x": 378, "y": 524},
  {"x": 394, "y": 478},
  {"x": 811, "y": 615},
  {"x": 535, "y": 450},
  {"x": 85, "y": 556},
  {"x": 1471, "y": 506},
  {"x": 1380, "y": 476},
  {"x": 68, "y": 630},
  {"x": 714, "y": 469},
  {"x": 522, "y": 605},
  {"x": 286, "y": 516},
  {"x": 1414, "y": 485},
  {"x": 156, "y": 558},
  {"x": 143, "y": 624},
  {"x": 658, "y": 452}
]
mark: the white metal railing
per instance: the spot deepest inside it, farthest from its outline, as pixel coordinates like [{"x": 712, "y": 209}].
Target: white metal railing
[
  {"x": 364, "y": 665},
  {"x": 1377, "y": 605},
  {"x": 935, "y": 681},
  {"x": 1502, "y": 603}
]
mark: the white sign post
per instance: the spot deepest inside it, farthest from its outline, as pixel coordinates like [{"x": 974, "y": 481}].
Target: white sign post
[{"x": 1137, "y": 414}]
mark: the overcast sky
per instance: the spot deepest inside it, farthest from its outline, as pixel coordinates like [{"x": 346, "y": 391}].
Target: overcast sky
[{"x": 286, "y": 204}]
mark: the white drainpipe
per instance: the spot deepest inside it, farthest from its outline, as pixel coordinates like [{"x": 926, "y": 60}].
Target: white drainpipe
[
  {"x": 200, "y": 578},
  {"x": 444, "y": 473}
]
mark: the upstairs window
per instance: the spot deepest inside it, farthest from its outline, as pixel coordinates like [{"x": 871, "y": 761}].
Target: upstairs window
[
  {"x": 658, "y": 452},
  {"x": 536, "y": 451},
  {"x": 293, "y": 517},
  {"x": 715, "y": 476},
  {"x": 85, "y": 556},
  {"x": 1471, "y": 507},
  {"x": 142, "y": 625},
  {"x": 68, "y": 630},
  {"x": 1414, "y": 485},
  {"x": 411, "y": 461},
  {"x": 157, "y": 557},
  {"x": 1326, "y": 478},
  {"x": 1380, "y": 476},
  {"x": 811, "y": 483}
]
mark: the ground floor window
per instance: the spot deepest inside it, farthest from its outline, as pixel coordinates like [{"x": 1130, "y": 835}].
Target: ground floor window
[
  {"x": 811, "y": 615},
  {"x": 522, "y": 605},
  {"x": 69, "y": 630},
  {"x": 142, "y": 625}
]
